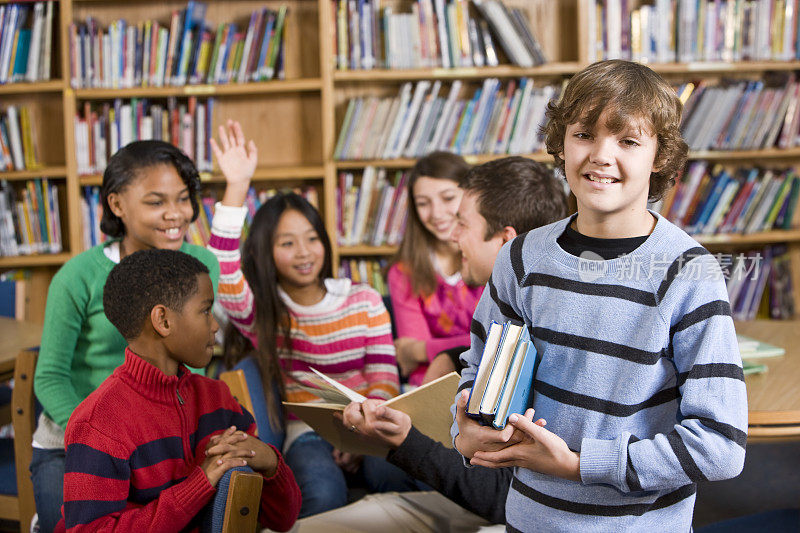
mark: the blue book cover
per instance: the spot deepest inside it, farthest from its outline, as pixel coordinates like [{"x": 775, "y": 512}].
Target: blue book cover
[
  {"x": 262, "y": 56},
  {"x": 21, "y": 59},
  {"x": 702, "y": 205},
  {"x": 517, "y": 394},
  {"x": 711, "y": 203}
]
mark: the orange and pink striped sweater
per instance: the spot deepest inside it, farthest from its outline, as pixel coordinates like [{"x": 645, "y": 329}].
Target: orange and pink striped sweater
[{"x": 347, "y": 335}]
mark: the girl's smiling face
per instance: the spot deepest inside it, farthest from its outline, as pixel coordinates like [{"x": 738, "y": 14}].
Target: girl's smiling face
[
  {"x": 297, "y": 250},
  {"x": 155, "y": 208},
  {"x": 436, "y": 201},
  {"x": 609, "y": 172}
]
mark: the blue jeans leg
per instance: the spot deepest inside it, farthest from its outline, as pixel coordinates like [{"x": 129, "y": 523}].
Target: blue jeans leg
[
  {"x": 47, "y": 474},
  {"x": 321, "y": 481}
]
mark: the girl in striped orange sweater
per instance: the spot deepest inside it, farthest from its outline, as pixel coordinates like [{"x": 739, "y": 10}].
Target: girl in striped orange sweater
[{"x": 281, "y": 297}]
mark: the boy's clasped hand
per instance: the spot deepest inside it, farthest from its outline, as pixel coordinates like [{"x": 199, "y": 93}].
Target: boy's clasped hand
[
  {"x": 234, "y": 448},
  {"x": 522, "y": 443}
]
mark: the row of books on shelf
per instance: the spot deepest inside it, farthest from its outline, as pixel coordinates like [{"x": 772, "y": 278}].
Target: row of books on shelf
[
  {"x": 369, "y": 271},
  {"x": 26, "y": 41},
  {"x": 495, "y": 119},
  {"x": 103, "y": 128},
  {"x": 436, "y": 33},
  {"x": 185, "y": 51},
  {"x": 759, "y": 284},
  {"x": 17, "y": 149},
  {"x": 684, "y": 31},
  {"x": 30, "y": 222},
  {"x": 373, "y": 212},
  {"x": 712, "y": 199},
  {"x": 742, "y": 114}
]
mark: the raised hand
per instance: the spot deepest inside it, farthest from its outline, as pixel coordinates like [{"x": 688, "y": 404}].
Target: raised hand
[
  {"x": 539, "y": 450},
  {"x": 237, "y": 160}
]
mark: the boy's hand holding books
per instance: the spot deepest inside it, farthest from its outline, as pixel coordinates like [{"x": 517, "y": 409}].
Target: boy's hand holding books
[
  {"x": 537, "y": 449},
  {"x": 236, "y": 448},
  {"x": 474, "y": 436}
]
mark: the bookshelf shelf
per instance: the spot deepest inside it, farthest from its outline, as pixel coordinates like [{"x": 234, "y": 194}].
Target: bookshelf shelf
[
  {"x": 366, "y": 251},
  {"x": 52, "y": 86},
  {"x": 282, "y": 173},
  {"x": 724, "y": 67},
  {"x": 33, "y": 260},
  {"x": 230, "y": 89},
  {"x": 734, "y": 155},
  {"x": 751, "y": 239},
  {"x": 46, "y": 172},
  {"x": 502, "y": 71},
  {"x": 408, "y": 163}
]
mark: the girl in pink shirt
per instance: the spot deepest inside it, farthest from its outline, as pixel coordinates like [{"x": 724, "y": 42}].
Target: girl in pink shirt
[{"x": 431, "y": 303}]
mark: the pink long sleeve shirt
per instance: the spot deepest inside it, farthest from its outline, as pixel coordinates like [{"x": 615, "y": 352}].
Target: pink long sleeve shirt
[{"x": 442, "y": 319}]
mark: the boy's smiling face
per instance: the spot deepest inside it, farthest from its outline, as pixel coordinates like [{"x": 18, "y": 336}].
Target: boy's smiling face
[{"x": 609, "y": 172}]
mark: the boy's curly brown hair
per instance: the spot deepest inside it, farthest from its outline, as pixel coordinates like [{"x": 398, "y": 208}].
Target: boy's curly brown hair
[{"x": 629, "y": 91}]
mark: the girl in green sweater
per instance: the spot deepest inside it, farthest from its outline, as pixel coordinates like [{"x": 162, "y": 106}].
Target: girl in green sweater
[{"x": 149, "y": 198}]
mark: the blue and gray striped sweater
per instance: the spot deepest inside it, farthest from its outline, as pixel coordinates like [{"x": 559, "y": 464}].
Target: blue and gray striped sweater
[{"x": 640, "y": 373}]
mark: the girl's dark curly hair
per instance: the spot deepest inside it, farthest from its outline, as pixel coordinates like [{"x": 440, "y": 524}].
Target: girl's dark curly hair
[{"x": 129, "y": 161}]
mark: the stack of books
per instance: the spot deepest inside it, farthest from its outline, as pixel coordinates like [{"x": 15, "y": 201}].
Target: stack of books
[
  {"x": 504, "y": 381},
  {"x": 17, "y": 149},
  {"x": 102, "y": 129},
  {"x": 664, "y": 31},
  {"x": 713, "y": 199},
  {"x": 26, "y": 41},
  {"x": 91, "y": 215},
  {"x": 185, "y": 51},
  {"x": 429, "y": 117},
  {"x": 373, "y": 212},
  {"x": 30, "y": 222},
  {"x": 436, "y": 33},
  {"x": 760, "y": 284}
]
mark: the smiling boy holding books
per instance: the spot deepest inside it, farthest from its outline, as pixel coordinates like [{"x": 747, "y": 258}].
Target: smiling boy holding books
[{"x": 640, "y": 379}]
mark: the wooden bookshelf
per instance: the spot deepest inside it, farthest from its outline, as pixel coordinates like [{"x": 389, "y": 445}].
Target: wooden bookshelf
[
  {"x": 45, "y": 172},
  {"x": 35, "y": 260},
  {"x": 367, "y": 251},
  {"x": 52, "y": 86},
  {"x": 295, "y": 121}
]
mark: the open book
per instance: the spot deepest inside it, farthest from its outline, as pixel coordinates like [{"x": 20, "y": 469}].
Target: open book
[
  {"x": 428, "y": 406},
  {"x": 504, "y": 380}
]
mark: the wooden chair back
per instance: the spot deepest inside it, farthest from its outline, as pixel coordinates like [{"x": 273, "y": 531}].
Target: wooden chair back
[
  {"x": 237, "y": 384},
  {"x": 22, "y": 506},
  {"x": 243, "y": 503}
]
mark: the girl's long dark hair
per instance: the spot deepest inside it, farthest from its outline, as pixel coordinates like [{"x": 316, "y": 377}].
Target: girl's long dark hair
[{"x": 272, "y": 318}]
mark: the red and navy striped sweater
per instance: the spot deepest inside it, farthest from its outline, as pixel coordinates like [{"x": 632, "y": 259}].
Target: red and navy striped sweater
[{"x": 134, "y": 449}]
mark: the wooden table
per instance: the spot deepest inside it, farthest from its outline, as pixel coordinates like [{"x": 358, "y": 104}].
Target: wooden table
[
  {"x": 15, "y": 335},
  {"x": 773, "y": 397}
]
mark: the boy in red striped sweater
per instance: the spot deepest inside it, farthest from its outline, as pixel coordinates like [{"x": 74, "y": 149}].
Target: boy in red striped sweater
[{"x": 146, "y": 450}]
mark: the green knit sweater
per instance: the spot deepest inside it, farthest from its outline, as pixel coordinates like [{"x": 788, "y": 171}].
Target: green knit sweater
[{"x": 80, "y": 348}]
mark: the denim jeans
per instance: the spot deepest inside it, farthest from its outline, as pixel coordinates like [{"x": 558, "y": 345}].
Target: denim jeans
[
  {"x": 323, "y": 484},
  {"x": 47, "y": 474}
]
